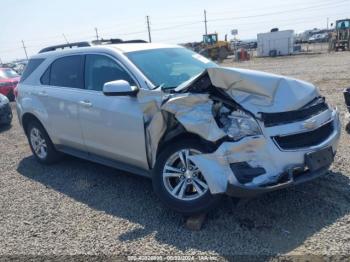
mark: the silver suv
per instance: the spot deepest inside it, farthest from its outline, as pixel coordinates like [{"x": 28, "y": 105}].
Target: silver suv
[{"x": 198, "y": 130}]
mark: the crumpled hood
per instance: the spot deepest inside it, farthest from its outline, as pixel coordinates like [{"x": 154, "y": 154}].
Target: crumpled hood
[{"x": 263, "y": 92}]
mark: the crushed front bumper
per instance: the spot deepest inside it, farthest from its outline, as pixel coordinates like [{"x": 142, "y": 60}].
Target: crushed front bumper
[
  {"x": 241, "y": 191},
  {"x": 269, "y": 166}
]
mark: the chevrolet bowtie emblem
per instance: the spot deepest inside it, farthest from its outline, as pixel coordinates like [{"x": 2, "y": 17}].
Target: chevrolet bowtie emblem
[{"x": 310, "y": 124}]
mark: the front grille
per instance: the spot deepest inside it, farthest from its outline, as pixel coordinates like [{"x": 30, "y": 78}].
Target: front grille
[
  {"x": 307, "y": 139},
  {"x": 314, "y": 108}
]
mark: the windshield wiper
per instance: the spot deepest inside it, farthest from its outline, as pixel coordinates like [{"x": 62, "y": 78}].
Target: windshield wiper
[{"x": 161, "y": 86}]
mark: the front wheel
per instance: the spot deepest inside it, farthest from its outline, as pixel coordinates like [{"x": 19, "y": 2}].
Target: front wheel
[{"x": 179, "y": 183}]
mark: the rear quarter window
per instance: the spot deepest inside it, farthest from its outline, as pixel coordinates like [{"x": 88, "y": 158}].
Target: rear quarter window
[
  {"x": 30, "y": 68},
  {"x": 45, "y": 78}
]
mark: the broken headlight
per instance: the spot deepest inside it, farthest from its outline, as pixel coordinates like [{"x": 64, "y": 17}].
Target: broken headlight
[{"x": 238, "y": 124}]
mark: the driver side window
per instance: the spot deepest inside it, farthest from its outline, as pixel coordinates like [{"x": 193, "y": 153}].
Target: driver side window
[{"x": 100, "y": 69}]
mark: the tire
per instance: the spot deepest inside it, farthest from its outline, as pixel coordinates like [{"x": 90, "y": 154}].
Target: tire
[
  {"x": 192, "y": 202},
  {"x": 11, "y": 96},
  {"x": 223, "y": 53},
  {"x": 46, "y": 153},
  {"x": 8, "y": 119},
  {"x": 204, "y": 52}
]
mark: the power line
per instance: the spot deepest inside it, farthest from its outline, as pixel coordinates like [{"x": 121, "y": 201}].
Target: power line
[
  {"x": 279, "y": 6},
  {"x": 177, "y": 26},
  {"x": 280, "y": 12},
  {"x": 324, "y": 5},
  {"x": 320, "y": 5},
  {"x": 302, "y": 19}
]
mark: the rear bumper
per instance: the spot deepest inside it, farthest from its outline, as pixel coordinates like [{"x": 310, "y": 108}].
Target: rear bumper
[
  {"x": 241, "y": 191},
  {"x": 5, "y": 114}
]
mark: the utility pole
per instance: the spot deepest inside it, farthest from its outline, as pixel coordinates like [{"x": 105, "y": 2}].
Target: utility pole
[
  {"x": 96, "y": 33},
  {"x": 25, "y": 50},
  {"x": 327, "y": 22},
  {"x": 149, "y": 30},
  {"x": 65, "y": 38},
  {"x": 205, "y": 22}
]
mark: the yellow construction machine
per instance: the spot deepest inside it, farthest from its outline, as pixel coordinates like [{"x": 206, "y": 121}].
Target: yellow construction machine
[{"x": 214, "y": 49}]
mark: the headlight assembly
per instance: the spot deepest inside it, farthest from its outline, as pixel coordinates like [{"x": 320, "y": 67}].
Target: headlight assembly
[{"x": 239, "y": 124}]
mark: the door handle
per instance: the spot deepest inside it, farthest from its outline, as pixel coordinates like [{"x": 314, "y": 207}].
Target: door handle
[
  {"x": 85, "y": 103},
  {"x": 42, "y": 93}
]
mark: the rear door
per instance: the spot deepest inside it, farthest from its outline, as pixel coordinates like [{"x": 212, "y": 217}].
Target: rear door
[
  {"x": 61, "y": 92},
  {"x": 112, "y": 126}
]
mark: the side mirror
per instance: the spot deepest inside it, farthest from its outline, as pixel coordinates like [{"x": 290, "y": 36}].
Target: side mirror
[{"x": 119, "y": 88}]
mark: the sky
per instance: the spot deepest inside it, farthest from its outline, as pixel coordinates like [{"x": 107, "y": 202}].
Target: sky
[{"x": 41, "y": 23}]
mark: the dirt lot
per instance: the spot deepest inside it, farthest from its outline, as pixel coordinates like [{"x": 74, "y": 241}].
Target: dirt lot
[{"x": 77, "y": 207}]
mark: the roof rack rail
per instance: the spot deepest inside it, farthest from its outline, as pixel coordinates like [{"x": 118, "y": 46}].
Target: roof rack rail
[
  {"x": 140, "y": 41},
  {"x": 70, "y": 45},
  {"x": 116, "y": 41},
  {"x": 94, "y": 42}
]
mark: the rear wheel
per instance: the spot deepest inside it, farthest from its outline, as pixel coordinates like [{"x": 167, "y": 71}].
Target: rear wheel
[
  {"x": 179, "y": 183},
  {"x": 41, "y": 144}
]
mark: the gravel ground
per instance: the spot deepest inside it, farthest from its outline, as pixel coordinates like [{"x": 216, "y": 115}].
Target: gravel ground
[{"x": 77, "y": 207}]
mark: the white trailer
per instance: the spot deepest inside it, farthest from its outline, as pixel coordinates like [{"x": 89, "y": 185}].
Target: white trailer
[{"x": 276, "y": 43}]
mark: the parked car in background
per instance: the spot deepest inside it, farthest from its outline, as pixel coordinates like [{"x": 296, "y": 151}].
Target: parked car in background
[
  {"x": 5, "y": 111},
  {"x": 9, "y": 79},
  {"x": 319, "y": 38}
]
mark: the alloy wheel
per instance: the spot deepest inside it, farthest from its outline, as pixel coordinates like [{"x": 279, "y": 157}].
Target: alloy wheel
[
  {"x": 38, "y": 143},
  {"x": 182, "y": 178}
]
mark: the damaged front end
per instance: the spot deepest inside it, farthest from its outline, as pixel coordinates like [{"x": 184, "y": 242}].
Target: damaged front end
[{"x": 269, "y": 131}]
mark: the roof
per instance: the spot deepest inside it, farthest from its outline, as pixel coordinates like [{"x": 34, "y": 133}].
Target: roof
[
  {"x": 122, "y": 48},
  {"x": 125, "y": 48}
]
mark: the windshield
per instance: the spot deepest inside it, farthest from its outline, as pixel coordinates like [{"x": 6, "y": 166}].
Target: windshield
[
  {"x": 7, "y": 73},
  {"x": 169, "y": 67}
]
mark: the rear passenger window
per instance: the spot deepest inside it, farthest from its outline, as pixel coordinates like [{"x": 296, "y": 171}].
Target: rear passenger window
[
  {"x": 101, "y": 69},
  {"x": 67, "y": 72},
  {"x": 30, "y": 67}
]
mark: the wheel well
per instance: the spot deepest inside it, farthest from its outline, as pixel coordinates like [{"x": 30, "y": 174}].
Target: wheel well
[
  {"x": 27, "y": 118},
  {"x": 184, "y": 135}
]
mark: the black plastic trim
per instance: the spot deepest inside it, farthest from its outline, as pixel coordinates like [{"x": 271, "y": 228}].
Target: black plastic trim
[
  {"x": 247, "y": 192},
  {"x": 274, "y": 119},
  {"x": 104, "y": 161}
]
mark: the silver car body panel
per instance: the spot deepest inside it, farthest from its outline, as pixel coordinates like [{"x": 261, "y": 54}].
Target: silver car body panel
[{"x": 129, "y": 129}]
